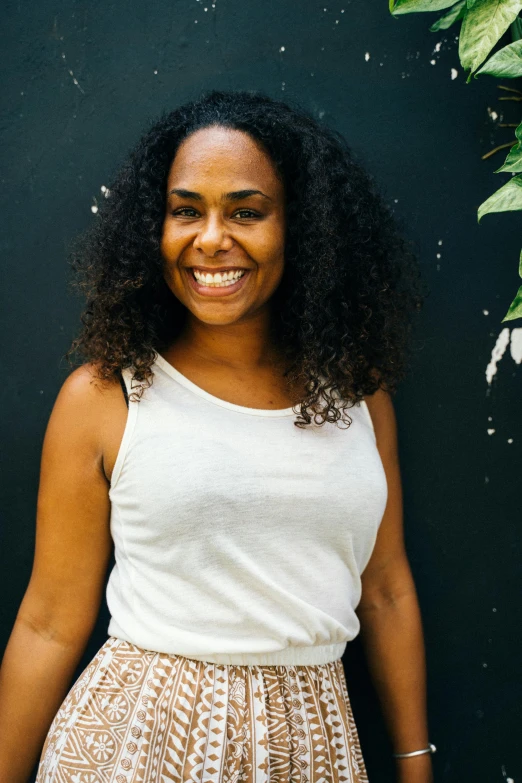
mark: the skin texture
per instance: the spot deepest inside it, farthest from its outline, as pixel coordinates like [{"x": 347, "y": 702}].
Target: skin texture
[{"x": 226, "y": 349}]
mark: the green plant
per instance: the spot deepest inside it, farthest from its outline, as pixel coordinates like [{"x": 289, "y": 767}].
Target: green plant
[{"x": 483, "y": 23}]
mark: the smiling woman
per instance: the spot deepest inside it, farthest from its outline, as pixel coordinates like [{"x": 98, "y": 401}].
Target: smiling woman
[{"x": 243, "y": 277}]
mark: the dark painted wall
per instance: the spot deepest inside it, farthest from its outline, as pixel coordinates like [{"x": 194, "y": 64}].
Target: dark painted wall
[{"x": 83, "y": 79}]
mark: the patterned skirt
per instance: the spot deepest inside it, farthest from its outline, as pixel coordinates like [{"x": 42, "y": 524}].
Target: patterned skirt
[{"x": 137, "y": 716}]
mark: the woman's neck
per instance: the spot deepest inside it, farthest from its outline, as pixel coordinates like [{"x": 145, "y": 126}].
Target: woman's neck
[{"x": 244, "y": 345}]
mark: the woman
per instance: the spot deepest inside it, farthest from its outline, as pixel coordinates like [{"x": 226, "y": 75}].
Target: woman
[{"x": 231, "y": 431}]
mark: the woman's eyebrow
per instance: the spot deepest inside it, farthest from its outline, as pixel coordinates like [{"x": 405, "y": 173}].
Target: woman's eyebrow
[{"x": 234, "y": 195}]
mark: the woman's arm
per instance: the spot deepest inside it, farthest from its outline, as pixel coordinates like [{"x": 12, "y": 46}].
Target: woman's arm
[
  {"x": 72, "y": 551},
  {"x": 391, "y": 625}
]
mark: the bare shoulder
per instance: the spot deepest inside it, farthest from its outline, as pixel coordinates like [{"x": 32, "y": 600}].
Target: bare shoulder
[
  {"x": 382, "y": 412},
  {"x": 89, "y": 411}
]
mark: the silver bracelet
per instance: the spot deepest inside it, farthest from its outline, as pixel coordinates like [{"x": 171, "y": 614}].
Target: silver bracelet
[{"x": 431, "y": 749}]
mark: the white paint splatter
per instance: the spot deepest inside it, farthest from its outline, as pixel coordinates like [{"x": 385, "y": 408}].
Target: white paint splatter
[
  {"x": 516, "y": 345},
  {"x": 486, "y": 312},
  {"x": 440, "y": 242},
  {"x": 454, "y": 73},
  {"x": 395, "y": 200},
  {"x": 493, "y": 114},
  {"x": 433, "y": 62},
  {"x": 437, "y": 46},
  {"x": 510, "y": 440},
  {"x": 367, "y": 56},
  {"x": 497, "y": 354},
  {"x": 71, "y": 74},
  {"x": 94, "y": 208},
  {"x": 438, "y": 255},
  {"x": 155, "y": 73},
  {"x": 490, "y": 418},
  {"x": 281, "y": 48},
  {"x": 491, "y": 432}
]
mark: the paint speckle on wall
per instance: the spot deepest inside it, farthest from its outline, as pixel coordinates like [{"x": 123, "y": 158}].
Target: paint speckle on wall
[
  {"x": 497, "y": 354},
  {"x": 504, "y": 775},
  {"x": 367, "y": 56},
  {"x": 510, "y": 440},
  {"x": 71, "y": 74},
  {"x": 485, "y": 312},
  {"x": 439, "y": 242},
  {"x": 281, "y": 48},
  {"x": 515, "y": 347},
  {"x": 491, "y": 432},
  {"x": 94, "y": 208},
  {"x": 493, "y": 114},
  {"x": 454, "y": 73},
  {"x": 433, "y": 62}
]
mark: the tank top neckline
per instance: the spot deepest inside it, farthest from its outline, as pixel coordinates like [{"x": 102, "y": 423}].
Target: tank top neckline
[{"x": 191, "y": 386}]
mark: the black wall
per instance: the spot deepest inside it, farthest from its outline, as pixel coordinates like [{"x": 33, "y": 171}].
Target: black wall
[{"x": 82, "y": 80}]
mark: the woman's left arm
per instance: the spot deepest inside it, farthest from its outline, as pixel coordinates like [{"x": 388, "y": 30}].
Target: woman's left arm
[{"x": 391, "y": 625}]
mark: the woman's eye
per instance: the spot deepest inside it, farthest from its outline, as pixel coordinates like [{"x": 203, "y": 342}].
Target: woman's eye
[
  {"x": 184, "y": 209},
  {"x": 252, "y": 213}
]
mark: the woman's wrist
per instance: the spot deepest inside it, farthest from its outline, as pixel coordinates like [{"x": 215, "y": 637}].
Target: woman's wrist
[{"x": 415, "y": 769}]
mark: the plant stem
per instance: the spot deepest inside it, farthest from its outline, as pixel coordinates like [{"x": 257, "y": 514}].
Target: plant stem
[{"x": 501, "y": 147}]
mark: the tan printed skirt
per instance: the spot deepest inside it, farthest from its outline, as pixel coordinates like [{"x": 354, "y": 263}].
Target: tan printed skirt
[{"x": 137, "y": 716}]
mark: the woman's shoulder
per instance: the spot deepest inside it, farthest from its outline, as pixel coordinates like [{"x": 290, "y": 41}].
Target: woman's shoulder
[
  {"x": 382, "y": 412},
  {"x": 88, "y": 398}
]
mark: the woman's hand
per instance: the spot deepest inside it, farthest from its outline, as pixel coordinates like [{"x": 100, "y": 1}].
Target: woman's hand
[{"x": 415, "y": 769}]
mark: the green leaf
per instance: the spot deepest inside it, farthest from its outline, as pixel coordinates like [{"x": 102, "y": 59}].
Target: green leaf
[
  {"x": 413, "y": 6},
  {"x": 513, "y": 161},
  {"x": 520, "y": 265},
  {"x": 470, "y": 3},
  {"x": 506, "y": 63},
  {"x": 515, "y": 308},
  {"x": 482, "y": 26},
  {"x": 506, "y": 199},
  {"x": 453, "y": 15}
]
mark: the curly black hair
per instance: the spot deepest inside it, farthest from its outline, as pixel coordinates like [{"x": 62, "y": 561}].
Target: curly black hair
[{"x": 351, "y": 282}]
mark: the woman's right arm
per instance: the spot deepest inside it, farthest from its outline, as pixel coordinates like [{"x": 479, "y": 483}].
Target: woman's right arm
[{"x": 61, "y": 603}]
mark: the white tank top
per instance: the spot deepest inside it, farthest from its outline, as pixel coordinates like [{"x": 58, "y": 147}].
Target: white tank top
[{"x": 239, "y": 537}]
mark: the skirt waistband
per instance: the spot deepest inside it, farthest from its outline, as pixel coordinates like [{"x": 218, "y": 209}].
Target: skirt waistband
[{"x": 289, "y": 656}]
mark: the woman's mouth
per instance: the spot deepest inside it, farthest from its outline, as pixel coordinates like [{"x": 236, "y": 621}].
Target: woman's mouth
[{"x": 221, "y": 282}]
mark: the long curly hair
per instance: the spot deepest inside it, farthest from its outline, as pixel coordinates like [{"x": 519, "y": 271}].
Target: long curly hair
[{"x": 342, "y": 312}]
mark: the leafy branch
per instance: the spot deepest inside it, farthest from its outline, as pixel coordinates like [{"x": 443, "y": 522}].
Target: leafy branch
[{"x": 483, "y": 23}]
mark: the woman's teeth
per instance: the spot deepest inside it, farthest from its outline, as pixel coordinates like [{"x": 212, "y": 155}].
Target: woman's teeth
[{"x": 219, "y": 279}]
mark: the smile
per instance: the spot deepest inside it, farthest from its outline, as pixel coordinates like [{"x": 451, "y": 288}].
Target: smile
[
  {"x": 222, "y": 282},
  {"x": 218, "y": 278}
]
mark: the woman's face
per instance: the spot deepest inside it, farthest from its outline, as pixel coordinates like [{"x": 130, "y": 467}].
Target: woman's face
[{"x": 224, "y": 229}]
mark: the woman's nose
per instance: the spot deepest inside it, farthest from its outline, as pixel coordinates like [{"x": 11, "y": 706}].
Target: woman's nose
[{"x": 212, "y": 237}]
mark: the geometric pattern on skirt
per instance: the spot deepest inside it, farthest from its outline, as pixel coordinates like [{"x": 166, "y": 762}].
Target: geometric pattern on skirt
[{"x": 138, "y": 716}]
